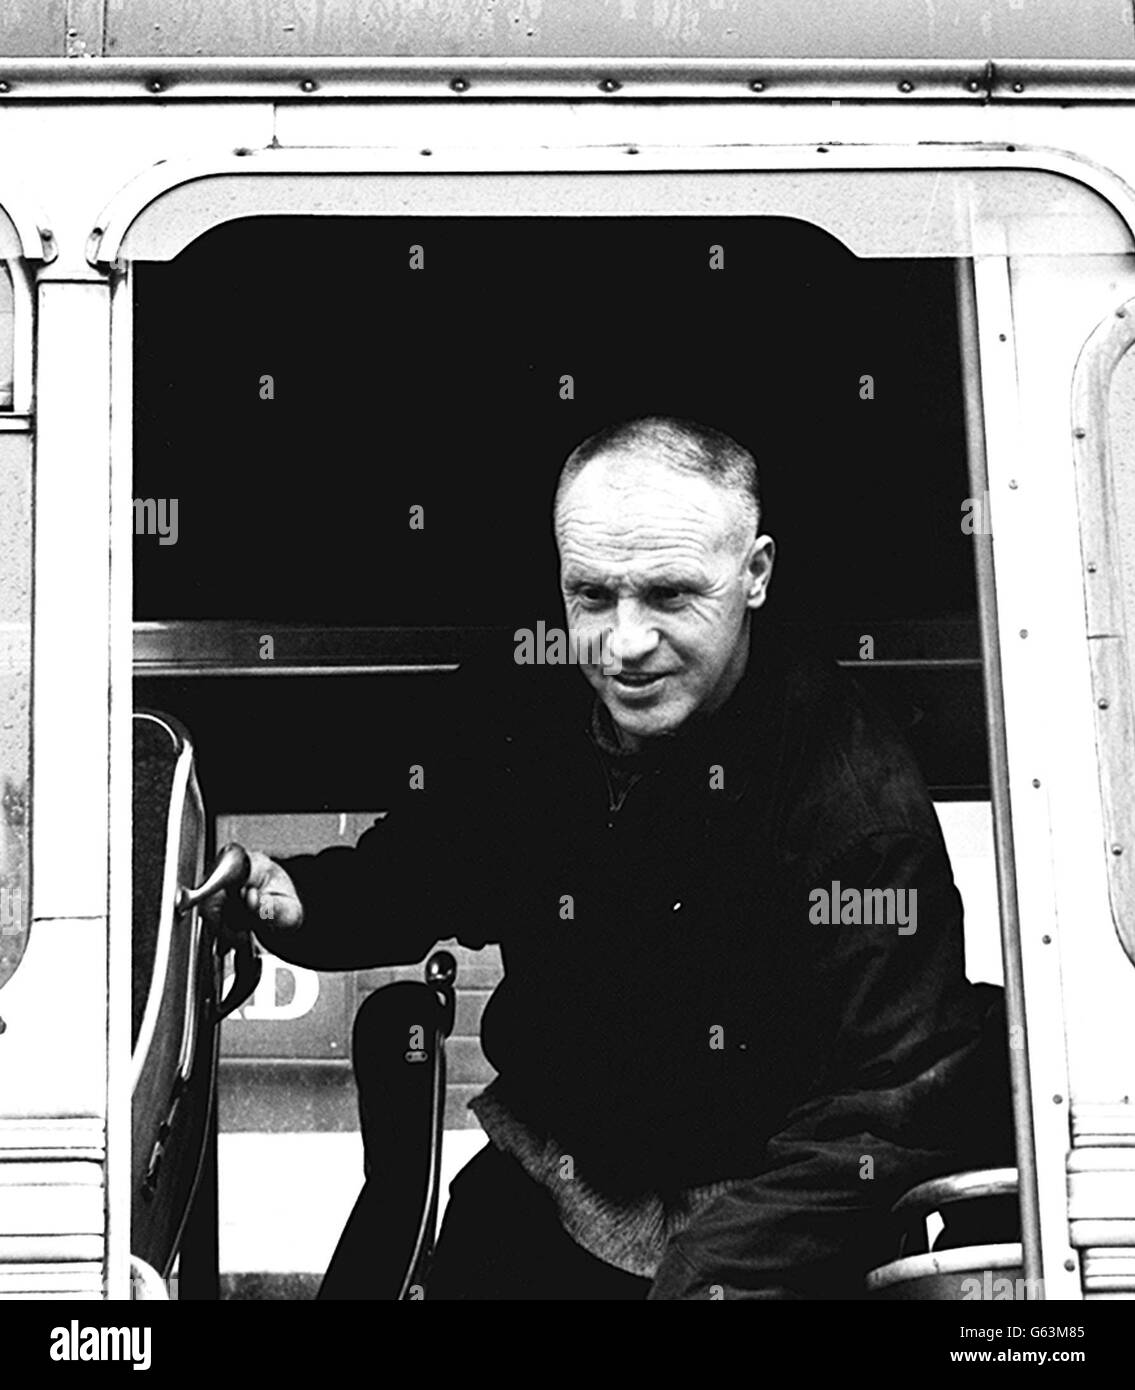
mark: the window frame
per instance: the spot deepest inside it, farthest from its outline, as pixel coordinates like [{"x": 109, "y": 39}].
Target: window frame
[{"x": 993, "y": 384}]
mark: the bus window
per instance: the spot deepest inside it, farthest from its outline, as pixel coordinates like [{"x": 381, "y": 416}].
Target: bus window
[
  {"x": 1122, "y": 431},
  {"x": 7, "y": 338},
  {"x": 343, "y": 484},
  {"x": 1106, "y": 478},
  {"x": 452, "y": 396}
]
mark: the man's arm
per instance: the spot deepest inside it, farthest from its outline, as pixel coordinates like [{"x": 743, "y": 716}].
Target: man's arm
[
  {"x": 424, "y": 872},
  {"x": 383, "y": 902},
  {"x": 914, "y": 1085}
]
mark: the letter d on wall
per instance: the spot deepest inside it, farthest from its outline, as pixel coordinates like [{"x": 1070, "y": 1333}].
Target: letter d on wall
[{"x": 263, "y": 1005}]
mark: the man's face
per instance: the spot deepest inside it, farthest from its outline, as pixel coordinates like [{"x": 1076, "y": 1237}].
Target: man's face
[{"x": 658, "y": 565}]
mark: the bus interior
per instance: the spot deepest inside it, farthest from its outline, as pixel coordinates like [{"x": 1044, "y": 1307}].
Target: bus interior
[{"x": 302, "y": 385}]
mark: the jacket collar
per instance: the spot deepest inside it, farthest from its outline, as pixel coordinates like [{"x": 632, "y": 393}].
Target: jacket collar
[{"x": 747, "y": 737}]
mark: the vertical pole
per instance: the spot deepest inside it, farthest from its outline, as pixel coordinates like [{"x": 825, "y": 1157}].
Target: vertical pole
[{"x": 999, "y": 778}]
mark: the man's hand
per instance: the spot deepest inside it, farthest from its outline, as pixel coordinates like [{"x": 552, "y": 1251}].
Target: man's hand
[{"x": 268, "y": 896}]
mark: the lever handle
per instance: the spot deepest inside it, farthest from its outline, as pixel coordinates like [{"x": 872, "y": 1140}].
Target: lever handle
[
  {"x": 230, "y": 872},
  {"x": 246, "y": 977},
  {"x": 441, "y": 973}
]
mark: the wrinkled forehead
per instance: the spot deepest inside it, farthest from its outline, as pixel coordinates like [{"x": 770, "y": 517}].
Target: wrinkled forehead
[{"x": 636, "y": 501}]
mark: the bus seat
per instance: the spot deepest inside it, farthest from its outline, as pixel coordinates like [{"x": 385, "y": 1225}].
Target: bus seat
[
  {"x": 176, "y": 1002},
  {"x": 398, "y": 1054},
  {"x": 977, "y": 1251}
]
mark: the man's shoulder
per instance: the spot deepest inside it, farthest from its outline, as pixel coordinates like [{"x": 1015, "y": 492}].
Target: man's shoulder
[
  {"x": 522, "y": 714},
  {"x": 847, "y": 774}
]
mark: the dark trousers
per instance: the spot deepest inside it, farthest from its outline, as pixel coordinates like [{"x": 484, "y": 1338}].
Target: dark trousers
[{"x": 501, "y": 1238}]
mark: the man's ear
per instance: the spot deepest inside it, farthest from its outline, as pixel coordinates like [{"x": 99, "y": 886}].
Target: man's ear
[{"x": 758, "y": 570}]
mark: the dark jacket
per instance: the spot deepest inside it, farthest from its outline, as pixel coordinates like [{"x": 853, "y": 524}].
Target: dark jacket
[{"x": 672, "y": 1012}]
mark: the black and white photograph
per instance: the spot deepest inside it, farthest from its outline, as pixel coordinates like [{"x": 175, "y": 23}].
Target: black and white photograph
[{"x": 567, "y": 722}]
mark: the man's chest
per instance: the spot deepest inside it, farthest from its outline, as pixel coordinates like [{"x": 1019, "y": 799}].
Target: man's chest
[{"x": 663, "y": 874}]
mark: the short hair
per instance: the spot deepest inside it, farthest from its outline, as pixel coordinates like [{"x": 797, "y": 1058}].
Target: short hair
[{"x": 684, "y": 445}]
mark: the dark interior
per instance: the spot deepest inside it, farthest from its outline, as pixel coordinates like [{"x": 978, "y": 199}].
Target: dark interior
[{"x": 440, "y": 387}]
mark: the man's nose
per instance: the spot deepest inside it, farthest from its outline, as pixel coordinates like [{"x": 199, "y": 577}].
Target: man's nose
[{"x": 633, "y": 636}]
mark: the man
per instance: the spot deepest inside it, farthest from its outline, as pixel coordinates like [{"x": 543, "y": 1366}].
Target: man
[{"x": 710, "y": 1085}]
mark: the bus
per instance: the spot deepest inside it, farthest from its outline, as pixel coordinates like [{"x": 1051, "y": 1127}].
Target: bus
[{"x": 301, "y": 307}]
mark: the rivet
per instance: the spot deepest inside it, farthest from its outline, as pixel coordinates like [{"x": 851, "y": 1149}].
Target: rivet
[
  {"x": 1091, "y": 567},
  {"x": 157, "y": 85},
  {"x": 308, "y": 85},
  {"x": 1103, "y": 704},
  {"x": 1046, "y": 940},
  {"x": 426, "y": 151},
  {"x": 459, "y": 84},
  {"x": 1117, "y": 850},
  {"x": 906, "y": 86},
  {"x": 1058, "y": 1100},
  {"x": 756, "y": 86},
  {"x": 1079, "y": 432},
  {"x": 677, "y": 906},
  {"x": 1018, "y": 86},
  {"x": 632, "y": 149},
  {"x": 1024, "y": 632},
  {"x": 4, "y": 87},
  {"x": 1070, "y": 1266},
  {"x": 973, "y": 85},
  {"x": 1121, "y": 313},
  {"x": 1001, "y": 338},
  {"x": 1036, "y": 781},
  {"x": 1013, "y": 484},
  {"x": 609, "y": 85}
]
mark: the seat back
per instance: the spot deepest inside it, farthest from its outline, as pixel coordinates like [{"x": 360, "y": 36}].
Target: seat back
[
  {"x": 175, "y": 987},
  {"x": 973, "y": 1272},
  {"x": 398, "y": 1050},
  {"x": 975, "y": 1255}
]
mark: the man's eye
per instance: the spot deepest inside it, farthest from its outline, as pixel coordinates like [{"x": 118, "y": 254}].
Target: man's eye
[
  {"x": 592, "y": 597},
  {"x": 666, "y": 596}
]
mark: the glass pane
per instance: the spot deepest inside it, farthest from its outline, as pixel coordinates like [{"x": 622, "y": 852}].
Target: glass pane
[
  {"x": 7, "y": 338},
  {"x": 1122, "y": 425},
  {"x": 310, "y": 427}
]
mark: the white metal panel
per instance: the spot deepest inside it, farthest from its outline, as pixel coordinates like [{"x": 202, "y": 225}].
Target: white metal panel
[
  {"x": 51, "y": 1281},
  {"x": 74, "y": 168},
  {"x": 55, "y": 1044},
  {"x": 1100, "y": 135},
  {"x": 72, "y": 613},
  {"x": 1057, "y": 305},
  {"x": 1021, "y": 623},
  {"x": 51, "y": 1199},
  {"x": 71, "y": 166},
  {"x": 50, "y": 1249},
  {"x": 27, "y": 1138},
  {"x": 880, "y": 209},
  {"x": 118, "y": 1128}
]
